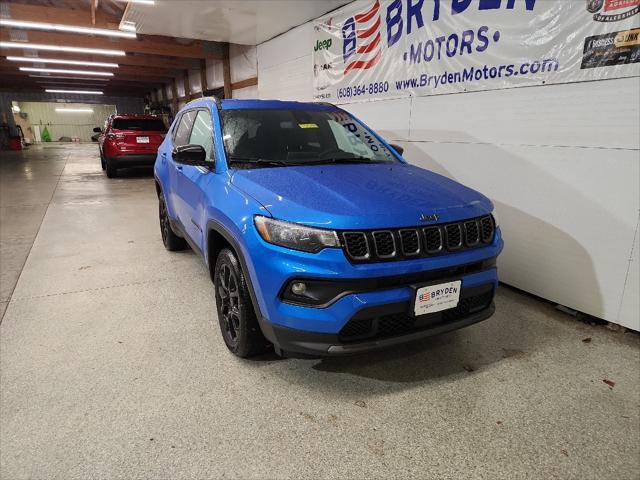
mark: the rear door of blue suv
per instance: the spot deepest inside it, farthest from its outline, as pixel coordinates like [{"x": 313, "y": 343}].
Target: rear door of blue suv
[{"x": 320, "y": 238}]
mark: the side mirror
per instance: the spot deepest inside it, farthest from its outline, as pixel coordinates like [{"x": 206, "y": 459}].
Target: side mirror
[
  {"x": 397, "y": 148},
  {"x": 97, "y": 130},
  {"x": 190, "y": 155}
]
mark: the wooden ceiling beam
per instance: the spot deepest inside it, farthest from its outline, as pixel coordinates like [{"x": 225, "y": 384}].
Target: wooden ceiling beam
[
  {"x": 130, "y": 59},
  {"x": 63, "y": 16},
  {"x": 147, "y": 44},
  {"x": 92, "y": 86},
  {"x": 93, "y": 11},
  {"x": 133, "y": 77},
  {"x": 122, "y": 70},
  {"x": 123, "y": 81},
  {"x": 142, "y": 71},
  {"x": 226, "y": 72},
  {"x": 75, "y": 85},
  {"x": 112, "y": 91}
]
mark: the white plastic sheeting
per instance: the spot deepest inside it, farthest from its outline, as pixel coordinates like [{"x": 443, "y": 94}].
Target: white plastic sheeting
[
  {"x": 215, "y": 73},
  {"x": 243, "y": 62}
]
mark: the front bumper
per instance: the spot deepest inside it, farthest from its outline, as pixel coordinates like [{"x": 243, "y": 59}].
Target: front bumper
[
  {"x": 316, "y": 330},
  {"x": 299, "y": 343}
]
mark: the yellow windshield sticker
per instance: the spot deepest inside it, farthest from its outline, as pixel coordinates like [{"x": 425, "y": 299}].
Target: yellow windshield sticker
[{"x": 307, "y": 125}]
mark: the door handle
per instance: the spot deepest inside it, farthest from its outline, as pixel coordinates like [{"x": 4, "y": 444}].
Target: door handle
[{"x": 179, "y": 167}]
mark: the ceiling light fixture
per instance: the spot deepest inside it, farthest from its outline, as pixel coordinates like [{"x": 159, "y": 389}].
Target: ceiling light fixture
[
  {"x": 60, "y": 48},
  {"x": 74, "y": 110},
  {"x": 56, "y": 27},
  {"x": 92, "y": 79},
  {"x": 86, "y": 92},
  {"x": 91, "y": 82},
  {"x": 128, "y": 26},
  {"x": 141, "y": 2},
  {"x": 61, "y": 70},
  {"x": 63, "y": 62}
]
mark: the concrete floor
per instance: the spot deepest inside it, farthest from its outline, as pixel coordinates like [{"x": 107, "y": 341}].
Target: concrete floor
[{"x": 112, "y": 366}]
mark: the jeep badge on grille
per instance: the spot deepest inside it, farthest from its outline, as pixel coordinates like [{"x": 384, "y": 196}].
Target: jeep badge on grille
[{"x": 429, "y": 217}]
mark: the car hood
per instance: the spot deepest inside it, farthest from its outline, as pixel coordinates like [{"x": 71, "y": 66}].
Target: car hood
[{"x": 360, "y": 195}]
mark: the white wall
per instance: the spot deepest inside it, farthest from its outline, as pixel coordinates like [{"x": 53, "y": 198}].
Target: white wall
[
  {"x": 247, "y": 92},
  {"x": 242, "y": 62},
  {"x": 66, "y": 124},
  {"x": 243, "y": 65},
  {"x": 561, "y": 163},
  {"x": 285, "y": 67}
]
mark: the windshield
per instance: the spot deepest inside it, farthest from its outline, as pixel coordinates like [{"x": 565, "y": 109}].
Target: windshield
[
  {"x": 142, "y": 124},
  {"x": 277, "y": 137}
]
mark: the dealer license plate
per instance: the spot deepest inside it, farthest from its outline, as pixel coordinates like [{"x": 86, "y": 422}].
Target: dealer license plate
[
  {"x": 142, "y": 139},
  {"x": 435, "y": 298}
]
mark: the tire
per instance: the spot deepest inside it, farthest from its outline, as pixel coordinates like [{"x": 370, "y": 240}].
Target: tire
[
  {"x": 112, "y": 171},
  {"x": 238, "y": 323},
  {"x": 103, "y": 164},
  {"x": 171, "y": 241}
]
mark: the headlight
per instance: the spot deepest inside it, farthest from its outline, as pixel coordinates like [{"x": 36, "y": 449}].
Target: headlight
[{"x": 295, "y": 236}]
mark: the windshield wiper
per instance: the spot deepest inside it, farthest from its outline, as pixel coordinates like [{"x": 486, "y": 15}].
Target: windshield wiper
[
  {"x": 257, "y": 161},
  {"x": 339, "y": 160},
  {"x": 300, "y": 162}
]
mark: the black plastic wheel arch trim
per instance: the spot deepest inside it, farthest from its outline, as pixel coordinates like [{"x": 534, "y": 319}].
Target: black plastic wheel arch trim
[
  {"x": 212, "y": 225},
  {"x": 265, "y": 325}
]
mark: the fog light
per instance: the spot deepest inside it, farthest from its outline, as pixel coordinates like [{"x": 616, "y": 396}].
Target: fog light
[{"x": 298, "y": 288}]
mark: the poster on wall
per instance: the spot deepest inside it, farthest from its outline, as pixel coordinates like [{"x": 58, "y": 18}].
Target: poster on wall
[{"x": 373, "y": 49}]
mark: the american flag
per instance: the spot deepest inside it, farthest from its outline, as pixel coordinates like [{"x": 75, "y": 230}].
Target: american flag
[{"x": 361, "y": 39}]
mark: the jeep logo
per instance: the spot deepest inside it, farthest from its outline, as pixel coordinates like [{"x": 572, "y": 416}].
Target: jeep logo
[
  {"x": 429, "y": 217},
  {"x": 322, "y": 45}
]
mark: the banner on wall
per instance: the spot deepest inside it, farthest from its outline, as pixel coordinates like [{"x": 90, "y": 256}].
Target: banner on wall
[{"x": 394, "y": 48}]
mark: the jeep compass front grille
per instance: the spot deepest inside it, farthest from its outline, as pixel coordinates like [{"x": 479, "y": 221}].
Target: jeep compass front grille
[
  {"x": 471, "y": 232},
  {"x": 398, "y": 244},
  {"x": 410, "y": 242},
  {"x": 357, "y": 245},
  {"x": 487, "y": 228},
  {"x": 453, "y": 236},
  {"x": 384, "y": 243}
]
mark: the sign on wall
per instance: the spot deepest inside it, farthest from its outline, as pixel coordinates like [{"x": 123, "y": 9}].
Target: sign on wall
[{"x": 394, "y": 48}]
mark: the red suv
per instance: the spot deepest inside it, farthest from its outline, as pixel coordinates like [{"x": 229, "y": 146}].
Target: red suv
[{"x": 129, "y": 141}]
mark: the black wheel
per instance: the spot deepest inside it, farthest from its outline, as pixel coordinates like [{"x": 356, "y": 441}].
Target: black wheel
[
  {"x": 237, "y": 318},
  {"x": 103, "y": 164},
  {"x": 172, "y": 242},
  {"x": 112, "y": 171}
]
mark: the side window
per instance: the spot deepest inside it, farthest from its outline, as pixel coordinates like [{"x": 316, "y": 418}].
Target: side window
[
  {"x": 202, "y": 133},
  {"x": 181, "y": 136},
  {"x": 174, "y": 127}
]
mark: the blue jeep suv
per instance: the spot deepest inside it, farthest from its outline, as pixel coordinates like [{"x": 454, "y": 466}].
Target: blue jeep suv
[{"x": 319, "y": 237}]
